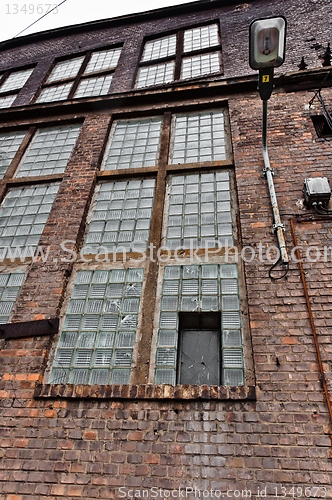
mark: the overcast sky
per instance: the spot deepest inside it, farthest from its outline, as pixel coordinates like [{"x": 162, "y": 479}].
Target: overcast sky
[{"x": 16, "y": 15}]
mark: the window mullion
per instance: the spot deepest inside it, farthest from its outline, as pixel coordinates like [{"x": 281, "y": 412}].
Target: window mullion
[
  {"x": 79, "y": 75},
  {"x": 141, "y": 371},
  {"x": 179, "y": 52}
]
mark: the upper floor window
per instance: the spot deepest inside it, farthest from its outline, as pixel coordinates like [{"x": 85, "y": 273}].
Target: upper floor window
[
  {"x": 49, "y": 151},
  {"x": 188, "y": 54},
  {"x": 82, "y": 76},
  {"x": 10, "y": 84}
]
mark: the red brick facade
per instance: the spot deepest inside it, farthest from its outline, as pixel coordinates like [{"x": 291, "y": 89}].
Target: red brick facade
[{"x": 273, "y": 435}]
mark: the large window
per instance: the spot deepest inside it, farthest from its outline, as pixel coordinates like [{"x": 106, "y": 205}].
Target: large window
[
  {"x": 10, "y": 84},
  {"x": 9, "y": 144},
  {"x": 82, "y": 76},
  {"x": 99, "y": 330},
  {"x": 49, "y": 151},
  {"x": 195, "y": 334},
  {"x": 10, "y": 285},
  {"x": 188, "y": 54}
]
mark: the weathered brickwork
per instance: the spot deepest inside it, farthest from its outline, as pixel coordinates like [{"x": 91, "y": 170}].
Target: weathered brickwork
[{"x": 114, "y": 442}]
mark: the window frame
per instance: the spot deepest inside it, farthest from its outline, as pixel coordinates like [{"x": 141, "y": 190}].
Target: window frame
[
  {"x": 144, "y": 358},
  {"x": 80, "y": 76},
  {"x": 180, "y": 55},
  {"x": 13, "y": 92}
]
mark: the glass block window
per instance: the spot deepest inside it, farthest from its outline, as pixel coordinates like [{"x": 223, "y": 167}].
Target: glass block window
[
  {"x": 7, "y": 101},
  {"x": 55, "y": 93},
  {"x": 78, "y": 80},
  {"x": 166, "y": 59},
  {"x": 49, "y": 151},
  {"x": 155, "y": 75},
  {"x": 198, "y": 137},
  {"x": 23, "y": 215},
  {"x": 9, "y": 144},
  {"x": 10, "y": 285},
  {"x": 15, "y": 80},
  {"x": 10, "y": 84},
  {"x": 200, "y": 65},
  {"x": 120, "y": 216},
  {"x": 105, "y": 59},
  {"x": 99, "y": 329},
  {"x": 157, "y": 49},
  {"x": 199, "y": 211},
  {"x": 133, "y": 143},
  {"x": 66, "y": 69},
  {"x": 201, "y": 38},
  {"x": 94, "y": 86},
  {"x": 200, "y": 288}
]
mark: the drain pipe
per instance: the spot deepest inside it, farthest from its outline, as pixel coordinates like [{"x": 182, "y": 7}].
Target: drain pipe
[{"x": 278, "y": 227}]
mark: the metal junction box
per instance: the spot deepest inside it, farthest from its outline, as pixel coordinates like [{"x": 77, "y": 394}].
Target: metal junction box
[{"x": 316, "y": 190}]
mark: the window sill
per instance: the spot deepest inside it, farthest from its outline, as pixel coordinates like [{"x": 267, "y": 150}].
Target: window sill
[{"x": 146, "y": 391}]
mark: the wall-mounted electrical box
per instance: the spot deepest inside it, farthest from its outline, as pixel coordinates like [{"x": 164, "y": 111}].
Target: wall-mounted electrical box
[{"x": 316, "y": 190}]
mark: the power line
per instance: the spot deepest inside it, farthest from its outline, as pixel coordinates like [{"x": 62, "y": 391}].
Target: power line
[{"x": 41, "y": 17}]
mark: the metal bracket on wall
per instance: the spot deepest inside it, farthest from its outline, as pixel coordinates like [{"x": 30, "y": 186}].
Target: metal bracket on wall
[{"x": 36, "y": 328}]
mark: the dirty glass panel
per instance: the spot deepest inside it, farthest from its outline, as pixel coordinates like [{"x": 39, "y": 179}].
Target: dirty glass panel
[
  {"x": 66, "y": 69},
  {"x": 198, "y": 137},
  {"x": 23, "y": 214},
  {"x": 204, "y": 64},
  {"x": 155, "y": 75},
  {"x": 162, "y": 47},
  {"x": 7, "y": 101},
  {"x": 9, "y": 144},
  {"x": 102, "y": 60},
  {"x": 119, "y": 218},
  {"x": 98, "y": 335},
  {"x": 202, "y": 37},
  {"x": 94, "y": 86},
  {"x": 10, "y": 285},
  {"x": 49, "y": 151},
  {"x": 16, "y": 80},
  {"x": 55, "y": 93},
  {"x": 133, "y": 143},
  {"x": 195, "y": 216},
  {"x": 200, "y": 289}
]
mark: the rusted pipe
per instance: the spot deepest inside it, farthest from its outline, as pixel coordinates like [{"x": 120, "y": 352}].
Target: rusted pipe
[{"x": 312, "y": 322}]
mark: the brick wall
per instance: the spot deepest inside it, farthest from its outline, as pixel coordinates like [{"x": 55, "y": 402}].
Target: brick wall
[{"x": 73, "y": 447}]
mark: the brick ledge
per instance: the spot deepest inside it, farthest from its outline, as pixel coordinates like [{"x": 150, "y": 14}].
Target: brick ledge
[{"x": 146, "y": 391}]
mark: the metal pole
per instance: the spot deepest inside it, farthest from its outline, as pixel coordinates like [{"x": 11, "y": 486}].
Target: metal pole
[{"x": 278, "y": 227}]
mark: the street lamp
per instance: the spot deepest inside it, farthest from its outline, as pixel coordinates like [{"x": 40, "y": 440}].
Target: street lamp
[{"x": 266, "y": 52}]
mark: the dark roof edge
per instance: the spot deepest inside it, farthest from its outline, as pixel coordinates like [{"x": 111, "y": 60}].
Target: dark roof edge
[{"x": 116, "y": 21}]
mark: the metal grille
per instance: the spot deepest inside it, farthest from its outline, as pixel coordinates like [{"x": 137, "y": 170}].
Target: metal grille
[
  {"x": 201, "y": 38},
  {"x": 204, "y": 64},
  {"x": 16, "y": 80},
  {"x": 66, "y": 69},
  {"x": 105, "y": 59},
  {"x": 10, "y": 285},
  {"x": 162, "y": 47},
  {"x": 198, "y": 137},
  {"x": 155, "y": 75},
  {"x": 94, "y": 86},
  {"x": 23, "y": 215},
  {"x": 120, "y": 216},
  {"x": 99, "y": 330},
  {"x": 133, "y": 143},
  {"x": 49, "y": 151},
  {"x": 9, "y": 144},
  {"x": 55, "y": 93},
  {"x": 200, "y": 288},
  {"x": 199, "y": 213}
]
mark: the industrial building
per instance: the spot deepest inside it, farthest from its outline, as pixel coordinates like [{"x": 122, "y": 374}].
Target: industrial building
[{"x": 166, "y": 256}]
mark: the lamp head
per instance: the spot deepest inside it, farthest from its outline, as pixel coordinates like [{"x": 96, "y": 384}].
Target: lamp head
[{"x": 267, "y": 42}]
